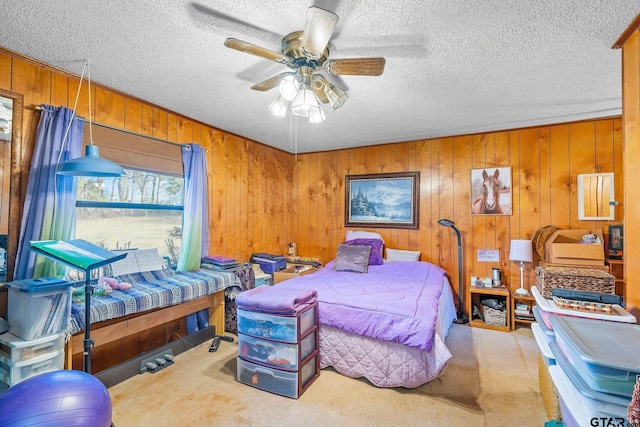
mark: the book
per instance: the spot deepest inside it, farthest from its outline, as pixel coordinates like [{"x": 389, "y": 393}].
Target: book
[{"x": 138, "y": 261}]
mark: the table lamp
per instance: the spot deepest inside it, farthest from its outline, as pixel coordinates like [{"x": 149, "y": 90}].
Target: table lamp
[{"x": 521, "y": 251}]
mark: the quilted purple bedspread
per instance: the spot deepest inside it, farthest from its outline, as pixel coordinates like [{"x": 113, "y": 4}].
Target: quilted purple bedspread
[{"x": 396, "y": 301}]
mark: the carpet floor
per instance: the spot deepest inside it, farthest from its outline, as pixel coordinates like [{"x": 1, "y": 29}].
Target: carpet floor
[{"x": 492, "y": 380}]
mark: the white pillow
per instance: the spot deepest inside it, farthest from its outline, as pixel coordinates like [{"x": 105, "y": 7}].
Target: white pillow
[
  {"x": 351, "y": 235},
  {"x": 399, "y": 255}
]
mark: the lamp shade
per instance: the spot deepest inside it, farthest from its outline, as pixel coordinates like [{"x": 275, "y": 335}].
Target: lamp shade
[
  {"x": 90, "y": 165},
  {"x": 521, "y": 250}
]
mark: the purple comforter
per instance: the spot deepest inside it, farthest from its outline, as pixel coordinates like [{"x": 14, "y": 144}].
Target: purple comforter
[{"x": 396, "y": 301}]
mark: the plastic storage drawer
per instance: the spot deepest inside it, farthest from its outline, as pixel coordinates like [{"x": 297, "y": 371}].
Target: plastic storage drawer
[
  {"x": 19, "y": 350},
  {"x": 276, "y": 354},
  {"x": 289, "y": 384},
  {"x": 13, "y": 373},
  {"x": 38, "y": 307},
  {"x": 605, "y": 354},
  {"x": 281, "y": 328}
]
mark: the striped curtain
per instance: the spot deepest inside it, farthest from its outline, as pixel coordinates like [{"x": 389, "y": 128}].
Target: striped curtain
[
  {"x": 195, "y": 221},
  {"x": 49, "y": 208}
]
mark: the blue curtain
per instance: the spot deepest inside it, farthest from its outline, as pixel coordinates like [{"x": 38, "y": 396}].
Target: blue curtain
[
  {"x": 195, "y": 221},
  {"x": 49, "y": 208}
]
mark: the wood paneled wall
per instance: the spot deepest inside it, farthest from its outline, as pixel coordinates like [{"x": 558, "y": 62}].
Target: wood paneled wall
[
  {"x": 545, "y": 162},
  {"x": 630, "y": 43},
  {"x": 263, "y": 198},
  {"x": 250, "y": 183}
]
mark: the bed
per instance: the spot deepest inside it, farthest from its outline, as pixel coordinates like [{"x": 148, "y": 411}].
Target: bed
[
  {"x": 388, "y": 325},
  {"x": 155, "y": 297}
]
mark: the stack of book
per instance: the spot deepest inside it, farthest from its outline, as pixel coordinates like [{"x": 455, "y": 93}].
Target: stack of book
[
  {"x": 523, "y": 311},
  {"x": 220, "y": 263}
]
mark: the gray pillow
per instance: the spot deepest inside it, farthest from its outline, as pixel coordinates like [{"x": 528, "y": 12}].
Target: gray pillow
[{"x": 352, "y": 258}]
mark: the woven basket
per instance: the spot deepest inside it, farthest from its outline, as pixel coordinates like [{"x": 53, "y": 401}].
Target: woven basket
[
  {"x": 582, "y": 279},
  {"x": 495, "y": 317}
]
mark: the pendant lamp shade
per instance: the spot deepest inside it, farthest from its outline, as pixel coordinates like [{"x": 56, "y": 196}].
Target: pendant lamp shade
[{"x": 90, "y": 165}]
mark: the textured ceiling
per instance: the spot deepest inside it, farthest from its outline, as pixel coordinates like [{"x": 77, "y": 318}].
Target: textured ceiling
[{"x": 452, "y": 66}]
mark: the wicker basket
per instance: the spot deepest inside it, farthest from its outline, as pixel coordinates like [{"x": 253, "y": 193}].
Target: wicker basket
[
  {"x": 495, "y": 317},
  {"x": 582, "y": 279}
]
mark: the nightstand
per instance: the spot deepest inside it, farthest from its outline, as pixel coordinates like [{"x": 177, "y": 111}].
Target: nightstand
[
  {"x": 528, "y": 300},
  {"x": 501, "y": 293}
]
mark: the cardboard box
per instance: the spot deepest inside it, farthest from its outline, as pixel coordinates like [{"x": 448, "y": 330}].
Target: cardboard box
[
  {"x": 290, "y": 273},
  {"x": 565, "y": 247}
]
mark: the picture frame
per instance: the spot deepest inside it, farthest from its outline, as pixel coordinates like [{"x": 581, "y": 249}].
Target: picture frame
[
  {"x": 616, "y": 241},
  {"x": 388, "y": 200},
  {"x": 491, "y": 191}
]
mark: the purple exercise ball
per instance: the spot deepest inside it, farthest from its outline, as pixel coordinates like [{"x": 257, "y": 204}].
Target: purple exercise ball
[{"x": 56, "y": 398}]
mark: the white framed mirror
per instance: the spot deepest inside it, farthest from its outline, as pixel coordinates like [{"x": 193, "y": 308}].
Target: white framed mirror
[{"x": 596, "y": 198}]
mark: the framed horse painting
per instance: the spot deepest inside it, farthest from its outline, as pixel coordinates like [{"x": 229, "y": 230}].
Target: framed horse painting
[{"x": 491, "y": 191}]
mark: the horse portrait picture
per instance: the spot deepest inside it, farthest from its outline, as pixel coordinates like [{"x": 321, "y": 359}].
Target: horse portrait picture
[{"x": 491, "y": 191}]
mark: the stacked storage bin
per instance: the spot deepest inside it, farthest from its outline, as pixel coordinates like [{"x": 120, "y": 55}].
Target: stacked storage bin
[
  {"x": 563, "y": 396},
  {"x": 597, "y": 365},
  {"x": 38, "y": 315},
  {"x": 279, "y": 353}
]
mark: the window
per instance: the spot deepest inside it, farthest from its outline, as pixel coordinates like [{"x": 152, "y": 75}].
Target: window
[{"x": 138, "y": 211}]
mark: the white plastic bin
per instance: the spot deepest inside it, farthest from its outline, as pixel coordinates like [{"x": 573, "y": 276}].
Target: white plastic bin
[
  {"x": 38, "y": 307},
  {"x": 543, "y": 341},
  {"x": 596, "y": 404},
  {"x": 605, "y": 354}
]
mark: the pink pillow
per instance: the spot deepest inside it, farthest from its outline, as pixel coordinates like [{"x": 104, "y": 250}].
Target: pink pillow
[{"x": 375, "y": 257}]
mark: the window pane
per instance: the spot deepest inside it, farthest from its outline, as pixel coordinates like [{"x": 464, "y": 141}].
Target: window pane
[
  {"x": 116, "y": 229},
  {"x": 135, "y": 187}
]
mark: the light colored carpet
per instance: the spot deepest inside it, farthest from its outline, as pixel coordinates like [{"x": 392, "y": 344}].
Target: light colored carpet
[{"x": 492, "y": 380}]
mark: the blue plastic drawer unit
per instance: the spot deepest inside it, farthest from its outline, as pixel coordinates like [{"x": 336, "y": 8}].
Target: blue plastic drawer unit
[
  {"x": 279, "y": 328},
  {"x": 605, "y": 354},
  {"x": 276, "y": 354},
  {"x": 38, "y": 307},
  {"x": 289, "y": 384}
]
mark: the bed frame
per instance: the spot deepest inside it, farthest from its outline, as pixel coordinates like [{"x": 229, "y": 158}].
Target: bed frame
[{"x": 108, "y": 331}]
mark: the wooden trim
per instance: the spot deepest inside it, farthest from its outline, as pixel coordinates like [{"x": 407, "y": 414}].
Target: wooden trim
[
  {"x": 141, "y": 323},
  {"x": 635, "y": 25}
]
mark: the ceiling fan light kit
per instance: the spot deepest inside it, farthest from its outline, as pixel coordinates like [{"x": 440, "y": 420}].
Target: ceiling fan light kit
[{"x": 306, "y": 53}]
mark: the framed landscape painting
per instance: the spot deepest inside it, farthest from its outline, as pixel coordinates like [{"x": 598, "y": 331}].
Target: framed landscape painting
[{"x": 382, "y": 200}]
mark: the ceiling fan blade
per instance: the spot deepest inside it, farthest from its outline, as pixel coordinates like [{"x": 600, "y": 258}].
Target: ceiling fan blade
[
  {"x": 256, "y": 50},
  {"x": 355, "y": 66},
  {"x": 271, "y": 83},
  {"x": 318, "y": 28}
]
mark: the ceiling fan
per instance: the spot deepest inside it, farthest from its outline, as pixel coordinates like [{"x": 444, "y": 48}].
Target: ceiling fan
[{"x": 306, "y": 53}]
